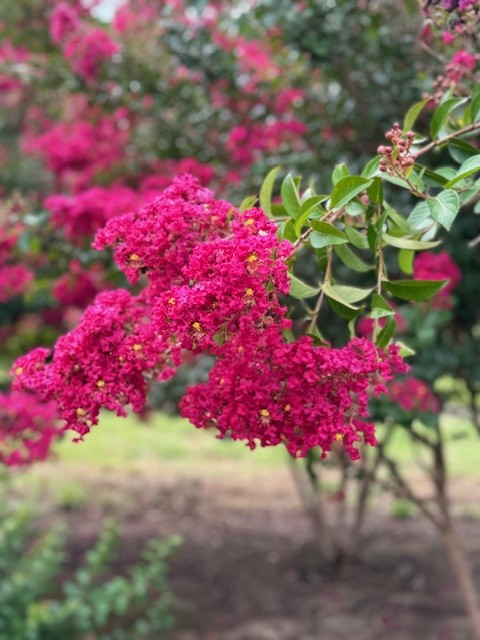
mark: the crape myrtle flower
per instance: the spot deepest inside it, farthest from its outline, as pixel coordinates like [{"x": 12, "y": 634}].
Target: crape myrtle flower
[{"x": 266, "y": 391}]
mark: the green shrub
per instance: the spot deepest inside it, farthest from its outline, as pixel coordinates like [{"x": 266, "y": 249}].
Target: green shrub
[{"x": 36, "y": 603}]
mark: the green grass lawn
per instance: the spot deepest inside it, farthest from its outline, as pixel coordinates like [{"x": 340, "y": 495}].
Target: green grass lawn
[
  {"x": 132, "y": 445},
  {"x": 167, "y": 445}
]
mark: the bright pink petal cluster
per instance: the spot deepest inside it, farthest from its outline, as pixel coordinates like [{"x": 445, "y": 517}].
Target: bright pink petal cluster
[
  {"x": 159, "y": 238},
  {"x": 414, "y": 395},
  {"x": 87, "y": 142},
  {"x": 28, "y": 428},
  {"x": 100, "y": 364},
  {"x": 80, "y": 286},
  {"x": 14, "y": 280},
  {"x": 81, "y": 215},
  {"x": 267, "y": 391},
  {"x": 438, "y": 266},
  {"x": 233, "y": 282},
  {"x": 88, "y": 51}
]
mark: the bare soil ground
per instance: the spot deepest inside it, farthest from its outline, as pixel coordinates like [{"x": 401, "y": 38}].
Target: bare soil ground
[{"x": 247, "y": 569}]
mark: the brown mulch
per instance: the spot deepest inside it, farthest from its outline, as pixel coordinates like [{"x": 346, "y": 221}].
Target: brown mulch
[{"x": 248, "y": 570}]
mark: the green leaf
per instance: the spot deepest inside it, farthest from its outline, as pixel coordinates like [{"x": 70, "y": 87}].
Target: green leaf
[
  {"x": 420, "y": 218},
  {"x": 345, "y": 295},
  {"x": 356, "y": 238},
  {"x": 290, "y": 196},
  {"x": 405, "y": 261},
  {"x": 266, "y": 191},
  {"x": 355, "y": 208},
  {"x": 375, "y": 191},
  {"x": 372, "y": 237},
  {"x": 340, "y": 171},
  {"x": 433, "y": 176},
  {"x": 468, "y": 168},
  {"x": 346, "y": 312},
  {"x": 325, "y": 234},
  {"x": 400, "y": 182},
  {"x": 408, "y": 243},
  {"x": 247, "y": 203},
  {"x": 371, "y": 168},
  {"x": 475, "y": 105},
  {"x": 413, "y": 113},
  {"x": 416, "y": 290},
  {"x": 300, "y": 290},
  {"x": 346, "y": 189},
  {"x": 305, "y": 211},
  {"x": 287, "y": 231},
  {"x": 320, "y": 240},
  {"x": 380, "y": 307},
  {"x": 278, "y": 211},
  {"x": 383, "y": 337},
  {"x": 399, "y": 220},
  {"x": 351, "y": 260},
  {"x": 405, "y": 350},
  {"x": 444, "y": 207},
  {"x": 460, "y": 149},
  {"x": 441, "y": 114}
]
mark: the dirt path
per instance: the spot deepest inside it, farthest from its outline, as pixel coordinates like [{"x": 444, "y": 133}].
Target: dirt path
[{"x": 247, "y": 571}]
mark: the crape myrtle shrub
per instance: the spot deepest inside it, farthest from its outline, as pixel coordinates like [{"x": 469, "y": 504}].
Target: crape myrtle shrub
[
  {"x": 40, "y": 602},
  {"x": 97, "y": 118},
  {"x": 102, "y": 181}
]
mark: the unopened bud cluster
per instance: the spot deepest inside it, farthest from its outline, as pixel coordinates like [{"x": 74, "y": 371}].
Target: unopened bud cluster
[{"x": 397, "y": 157}]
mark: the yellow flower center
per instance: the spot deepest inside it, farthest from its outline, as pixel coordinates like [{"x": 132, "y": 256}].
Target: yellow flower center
[
  {"x": 171, "y": 301},
  {"x": 252, "y": 258},
  {"x": 137, "y": 347},
  {"x": 100, "y": 384},
  {"x": 265, "y": 413},
  {"x": 287, "y": 408},
  {"x": 197, "y": 326},
  {"x": 18, "y": 371},
  {"x": 249, "y": 292},
  {"x": 249, "y": 222},
  {"x": 133, "y": 257},
  {"x": 339, "y": 437},
  {"x": 81, "y": 412}
]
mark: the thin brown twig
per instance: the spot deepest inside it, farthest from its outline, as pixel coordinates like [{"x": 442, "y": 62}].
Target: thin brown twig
[
  {"x": 318, "y": 305},
  {"x": 437, "y": 143}
]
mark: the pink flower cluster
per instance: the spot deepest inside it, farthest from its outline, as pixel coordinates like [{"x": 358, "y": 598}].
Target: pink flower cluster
[
  {"x": 232, "y": 283},
  {"x": 461, "y": 65},
  {"x": 79, "y": 216},
  {"x": 11, "y": 85},
  {"x": 87, "y": 142},
  {"x": 438, "y": 266},
  {"x": 80, "y": 286},
  {"x": 245, "y": 141},
  {"x": 85, "y": 46},
  {"x": 454, "y": 19},
  {"x": 214, "y": 281},
  {"x": 100, "y": 364},
  {"x": 414, "y": 395},
  {"x": 14, "y": 278},
  {"x": 267, "y": 391},
  {"x": 27, "y": 428},
  {"x": 158, "y": 239}
]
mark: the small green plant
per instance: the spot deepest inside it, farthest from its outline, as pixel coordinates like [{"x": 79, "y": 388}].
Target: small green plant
[
  {"x": 36, "y": 604},
  {"x": 402, "y": 510}
]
